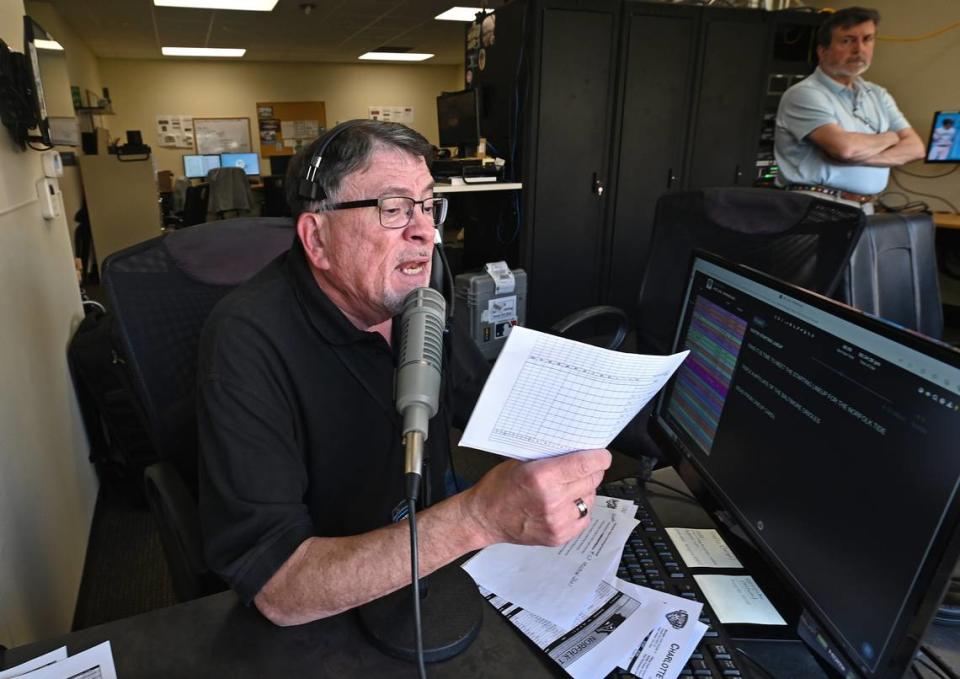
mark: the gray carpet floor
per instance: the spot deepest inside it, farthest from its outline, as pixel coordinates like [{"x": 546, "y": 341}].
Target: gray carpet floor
[{"x": 125, "y": 572}]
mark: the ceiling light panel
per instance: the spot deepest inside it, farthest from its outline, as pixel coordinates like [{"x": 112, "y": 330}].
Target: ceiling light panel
[
  {"x": 459, "y": 14},
  {"x": 395, "y": 56},
  {"x": 248, "y": 5},
  {"x": 201, "y": 52}
]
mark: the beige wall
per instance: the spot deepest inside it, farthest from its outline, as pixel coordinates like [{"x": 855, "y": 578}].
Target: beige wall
[
  {"x": 140, "y": 90},
  {"x": 47, "y": 486},
  {"x": 922, "y": 77}
]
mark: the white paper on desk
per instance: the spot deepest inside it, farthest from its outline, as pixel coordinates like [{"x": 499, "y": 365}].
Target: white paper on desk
[
  {"x": 664, "y": 652},
  {"x": 703, "y": 548},
  {"x": 738, "y": 599},
  {"x": 556, "y": 582},
  {"x": 603, "y": 634},
  {"x": 548, "y": 395},
  {"x": 94, "y": 663},
  {"x": 35, "y": 664}
]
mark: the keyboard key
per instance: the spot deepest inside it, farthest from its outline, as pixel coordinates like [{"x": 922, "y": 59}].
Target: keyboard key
[{"x": 719, "y": 651}]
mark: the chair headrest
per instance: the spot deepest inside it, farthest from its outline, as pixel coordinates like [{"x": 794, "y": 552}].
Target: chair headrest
[{"x": 229, "y": 251}]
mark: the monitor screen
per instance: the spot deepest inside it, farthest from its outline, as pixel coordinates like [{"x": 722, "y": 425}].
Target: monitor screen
[
  {"x": 944, "y": 143},
  {"x": 249, "y": 162},
  {"x": 458, "y": 118},
  {"x": 831, "y": 437},
  {"x": 197, "y": 166}
]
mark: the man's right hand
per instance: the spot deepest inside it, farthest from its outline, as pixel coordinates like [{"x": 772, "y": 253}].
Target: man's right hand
[{"x": 534, "y": 503}]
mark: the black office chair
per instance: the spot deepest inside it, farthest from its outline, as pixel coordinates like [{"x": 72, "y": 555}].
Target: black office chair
[
  {"x": 796, "y": 237},
  {"x": 274, "y": 196},
  {"x": 195, "y": 205},
  {"x": 893, "y": 272},
  {"x": 161, "y": 292}
]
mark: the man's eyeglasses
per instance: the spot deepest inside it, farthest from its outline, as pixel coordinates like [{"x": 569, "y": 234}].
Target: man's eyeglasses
[{"x": 397, "y": 211}]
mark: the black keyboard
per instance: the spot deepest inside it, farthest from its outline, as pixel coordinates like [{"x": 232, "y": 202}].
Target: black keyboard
[{"x": 650, "y": 559}]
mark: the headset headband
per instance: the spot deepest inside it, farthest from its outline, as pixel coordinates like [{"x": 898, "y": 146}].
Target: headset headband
[{"x": 309, "y": 187}]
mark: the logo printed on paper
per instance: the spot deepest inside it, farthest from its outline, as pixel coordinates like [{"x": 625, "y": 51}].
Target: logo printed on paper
[{"x": 678, "y": 619}]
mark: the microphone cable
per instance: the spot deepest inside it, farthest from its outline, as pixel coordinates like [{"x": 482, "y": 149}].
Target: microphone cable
[{"x": 415, "y": 586}]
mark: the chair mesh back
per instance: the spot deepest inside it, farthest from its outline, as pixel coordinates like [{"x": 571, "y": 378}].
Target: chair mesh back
[
  {"x": 797, "y": 238},
  {"x": 161, "y": 292}
]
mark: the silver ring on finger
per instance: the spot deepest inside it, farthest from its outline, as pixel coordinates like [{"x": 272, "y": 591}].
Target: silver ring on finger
[{"x": 581, "y": 507}]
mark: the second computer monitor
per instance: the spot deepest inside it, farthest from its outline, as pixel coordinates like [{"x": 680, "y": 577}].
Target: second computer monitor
[{"x": 248, "y": 162}]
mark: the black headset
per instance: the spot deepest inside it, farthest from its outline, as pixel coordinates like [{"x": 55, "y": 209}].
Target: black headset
[{"x": 309, "y": 187}]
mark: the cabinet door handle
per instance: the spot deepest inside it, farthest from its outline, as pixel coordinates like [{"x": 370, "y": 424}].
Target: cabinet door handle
[
  {"x": 671, "y": 178},
  {"x": 598, "y": 187}
]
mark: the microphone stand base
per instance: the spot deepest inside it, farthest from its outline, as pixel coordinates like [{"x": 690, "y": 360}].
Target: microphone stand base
[{"x": 451, "y": 612}]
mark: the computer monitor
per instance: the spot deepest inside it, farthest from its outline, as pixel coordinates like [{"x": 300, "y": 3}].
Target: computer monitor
[
  {"x": 458, "y": 119},
  {"x": 944, "y": 143},
  {"x": 197, "y": 166},
  {"x": 249, "y": 162},
  {"x": 831, "y": 439}
]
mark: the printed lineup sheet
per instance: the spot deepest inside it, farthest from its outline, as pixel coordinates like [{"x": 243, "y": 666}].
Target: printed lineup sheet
[{"x": 548, "y": 395}]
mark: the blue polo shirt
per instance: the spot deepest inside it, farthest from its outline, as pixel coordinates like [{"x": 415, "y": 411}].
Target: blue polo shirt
[{"x": 818, "y": 100}]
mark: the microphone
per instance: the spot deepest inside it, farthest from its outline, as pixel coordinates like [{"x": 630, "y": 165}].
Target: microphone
[{"x": 418, "y": 375}]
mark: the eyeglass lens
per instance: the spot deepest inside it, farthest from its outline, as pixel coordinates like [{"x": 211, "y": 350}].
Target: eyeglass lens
[{"x": 396, "y": 213}]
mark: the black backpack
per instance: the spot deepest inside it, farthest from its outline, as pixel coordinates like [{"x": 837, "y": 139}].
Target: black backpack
[{"x": 120, "y": 447}]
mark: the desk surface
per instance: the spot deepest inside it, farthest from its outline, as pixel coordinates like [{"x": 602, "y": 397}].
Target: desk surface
[
  {"x": 473, "y": 188},
  {"x": 946, "y": 220},
  {"x": 217, "y": 636}
]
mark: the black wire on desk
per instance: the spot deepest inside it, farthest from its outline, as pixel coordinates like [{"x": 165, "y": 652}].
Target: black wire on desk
[
  {"x": 672, "y": 488},
  {"x": 893, "y": 176},
  {"x": 415, "y": 587},
  {"x": 756, "y": 663}
]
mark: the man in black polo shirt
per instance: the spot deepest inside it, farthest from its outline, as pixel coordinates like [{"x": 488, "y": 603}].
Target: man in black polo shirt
[{"x": 301, "y": 457}]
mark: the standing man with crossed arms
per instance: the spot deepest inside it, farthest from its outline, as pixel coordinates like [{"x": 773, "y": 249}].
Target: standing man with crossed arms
[{"x": 837, "y": 135}]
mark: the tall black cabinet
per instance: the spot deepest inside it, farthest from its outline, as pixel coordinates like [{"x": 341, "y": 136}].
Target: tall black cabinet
[{"x": 612, "y": 103}]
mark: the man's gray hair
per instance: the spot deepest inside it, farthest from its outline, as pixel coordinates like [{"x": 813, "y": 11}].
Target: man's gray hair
[{"x": 352, "y": 150}]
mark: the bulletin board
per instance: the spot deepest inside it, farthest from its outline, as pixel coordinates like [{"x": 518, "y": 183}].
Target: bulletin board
[
  {"x": 286, "y": 126},
  {"x": 222, "y": 135}
]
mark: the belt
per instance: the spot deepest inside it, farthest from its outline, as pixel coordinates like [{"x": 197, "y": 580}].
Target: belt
[{"x": 836, "y": 193}]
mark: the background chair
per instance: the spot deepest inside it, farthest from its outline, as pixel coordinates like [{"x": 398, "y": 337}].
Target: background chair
[
  {"x": 229, "y": 192},
  {"x": 798, "y": 238},
  {"x": 161, "y": 292},
  {"x": 893, "y": 272},
  {"x": 274, "y": 197},
  {"x": 195, "y": 205}
]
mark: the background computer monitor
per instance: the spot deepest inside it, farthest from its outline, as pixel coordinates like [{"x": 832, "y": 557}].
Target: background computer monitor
[
  {"x": 196, "y": 166},
  {"x": 943, "y": 146},
  {"x": 458, "y": 115},
  {"x": 249, "y": 162},
  {"x": 831, "y": 438}
]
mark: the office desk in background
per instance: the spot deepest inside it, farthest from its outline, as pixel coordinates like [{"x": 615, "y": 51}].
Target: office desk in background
[{"x": 946, "y": 220}]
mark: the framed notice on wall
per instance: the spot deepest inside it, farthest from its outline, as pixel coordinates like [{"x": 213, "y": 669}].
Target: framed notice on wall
[{"x": 222, "y": 135}]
